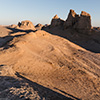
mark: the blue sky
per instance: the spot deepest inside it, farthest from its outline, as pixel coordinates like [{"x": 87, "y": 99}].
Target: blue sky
[{"x": 42, "y": 11}]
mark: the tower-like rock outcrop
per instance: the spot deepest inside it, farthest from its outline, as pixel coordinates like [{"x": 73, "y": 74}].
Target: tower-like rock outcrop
[
  {"x": 56, "y": 21},
  {"x": 84, "y": 23},
  {"x": 71, "y": 20},
  {"x": 81, "y": 23}
]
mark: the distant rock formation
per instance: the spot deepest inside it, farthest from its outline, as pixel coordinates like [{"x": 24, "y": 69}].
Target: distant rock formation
[
  {"x": 81, "y": 23},
  {"x": 13, "y": 26},
  {"x": 26, "y": 24},
  {"x": 56, "y": 21},
  {"x": 96, "y": 29},
  {"x": 39, "y": 26},
  {"x": 71, "y": 20},
  {"x": 84, "y": 23},
  {"x": 46, "y": 25}
]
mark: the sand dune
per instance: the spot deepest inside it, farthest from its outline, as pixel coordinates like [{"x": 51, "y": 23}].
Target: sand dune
[
  {"x": 60, "y": 61},
  {"x": 48, "y": 66}
]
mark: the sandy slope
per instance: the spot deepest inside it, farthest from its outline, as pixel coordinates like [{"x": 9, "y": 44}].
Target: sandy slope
[{"x": 53, "y": 62}]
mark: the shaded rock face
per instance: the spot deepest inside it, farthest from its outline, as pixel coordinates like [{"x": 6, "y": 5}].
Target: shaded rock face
[
  {"x": 80, "y": 23},
  {"x": 26, "y": 24},
  {"x": 56, "y": 21},
  {"x": 84, "y": 23},
  {"x": 71, "y": 20},
  {"x": 46, "y": 25}
]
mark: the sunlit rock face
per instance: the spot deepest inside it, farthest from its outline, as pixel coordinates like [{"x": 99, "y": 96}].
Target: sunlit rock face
[{"x": 26, "y": 24}]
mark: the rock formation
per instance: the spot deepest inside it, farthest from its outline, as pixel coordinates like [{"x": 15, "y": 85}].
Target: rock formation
[
  {"x": 84, "y": 23},
  {"x": 56, "y": 21},
  {"x": 81, "y": 23},
  {"x": 71, "y": 20},
  {"x": 13, "y": 26},
  {"x": 26, "y": 24},
  {"x": 39, "y": 26}
]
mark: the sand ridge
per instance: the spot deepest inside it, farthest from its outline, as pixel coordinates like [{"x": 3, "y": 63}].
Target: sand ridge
[{"x": 52, "y": 62}]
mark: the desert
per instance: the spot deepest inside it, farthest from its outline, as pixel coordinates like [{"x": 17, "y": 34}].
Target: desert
[{"x": 59, "y": 61}]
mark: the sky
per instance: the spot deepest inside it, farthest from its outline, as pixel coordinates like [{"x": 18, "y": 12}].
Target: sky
[{"x": 42, "y": 11}]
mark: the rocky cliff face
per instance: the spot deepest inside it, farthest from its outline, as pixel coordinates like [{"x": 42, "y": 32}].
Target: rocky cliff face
[
  {"x": 84, "y": 23},
  {"x": 81, "y": 23},
  {"x": 71, "y": 20}
]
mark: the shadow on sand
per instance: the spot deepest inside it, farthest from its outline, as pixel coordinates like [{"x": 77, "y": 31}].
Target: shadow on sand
[
  {"x": 89, "y": 42},
  {"x": 15, "y": 30},
  {"x": 5, "y": 40},
  {"x": 46, "y": 92},
  {"x": 7, "y": 82}
]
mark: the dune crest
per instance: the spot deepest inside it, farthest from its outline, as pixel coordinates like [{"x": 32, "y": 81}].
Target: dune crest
[{"x": 60, "y": 61}]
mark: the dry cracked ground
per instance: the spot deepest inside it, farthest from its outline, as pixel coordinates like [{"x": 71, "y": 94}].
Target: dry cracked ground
[{"x": 38, "y": 65}]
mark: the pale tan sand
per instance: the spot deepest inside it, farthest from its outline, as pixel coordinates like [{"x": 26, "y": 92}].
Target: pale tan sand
[{"x": 52, "y": 62}]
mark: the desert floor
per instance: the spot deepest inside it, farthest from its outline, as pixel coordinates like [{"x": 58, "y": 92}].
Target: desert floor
[{"x": 47, "y": 65}]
